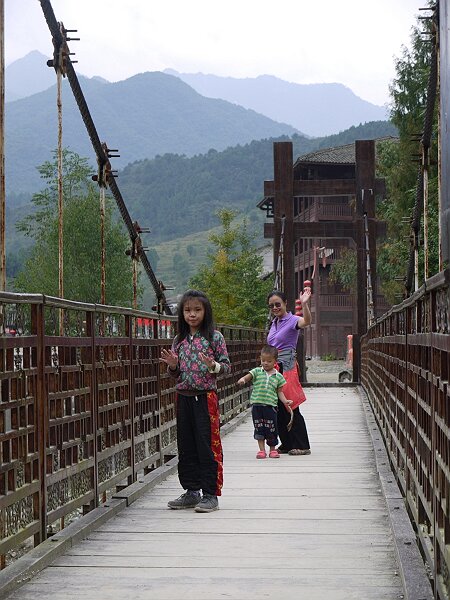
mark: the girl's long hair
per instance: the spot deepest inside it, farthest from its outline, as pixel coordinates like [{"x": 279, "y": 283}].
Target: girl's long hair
[{"x": 207, "y": 326}]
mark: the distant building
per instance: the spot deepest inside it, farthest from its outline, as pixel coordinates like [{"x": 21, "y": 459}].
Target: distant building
[{"x": 333, "y": 309}]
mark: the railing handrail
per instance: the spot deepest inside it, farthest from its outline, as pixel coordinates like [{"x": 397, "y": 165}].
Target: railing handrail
[{"x": 405, "y": 372}]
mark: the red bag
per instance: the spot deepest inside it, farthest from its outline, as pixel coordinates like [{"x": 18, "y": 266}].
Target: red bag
[{"x": 293, "y": 389}]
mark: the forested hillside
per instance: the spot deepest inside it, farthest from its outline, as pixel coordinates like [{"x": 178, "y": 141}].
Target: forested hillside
[
  {"x": 145, "y": 115},
  {"x": 176, "y": 196}
]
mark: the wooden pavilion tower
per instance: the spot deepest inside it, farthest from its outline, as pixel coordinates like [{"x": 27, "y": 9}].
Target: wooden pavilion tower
[{"x": 321, "y": 204}]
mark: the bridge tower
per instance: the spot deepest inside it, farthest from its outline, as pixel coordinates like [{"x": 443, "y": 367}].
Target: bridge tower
[{"x": 327, "y": 198}]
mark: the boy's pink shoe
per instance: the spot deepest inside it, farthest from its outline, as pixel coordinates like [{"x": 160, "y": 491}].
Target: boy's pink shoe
[
  {"x": 274, "y": 454},
  {"x": 261, "y": 454}
]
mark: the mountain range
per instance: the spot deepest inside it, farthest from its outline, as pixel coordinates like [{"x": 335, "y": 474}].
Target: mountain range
[
  {"x": 154, "y": 113},
  {"x": 317, "y": 109},
  {"x": 183, "y": 155},
  {"x": 145, "y": 115}
]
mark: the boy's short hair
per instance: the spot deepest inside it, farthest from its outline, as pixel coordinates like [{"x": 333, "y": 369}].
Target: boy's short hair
[{"x": 270, "y": 350}]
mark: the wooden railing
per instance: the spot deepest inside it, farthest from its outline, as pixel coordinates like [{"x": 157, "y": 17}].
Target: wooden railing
[
  {"x": 336, "y": 301},
  {"x": 405, "y": 372},
  {"x": 85, "y": 405}
]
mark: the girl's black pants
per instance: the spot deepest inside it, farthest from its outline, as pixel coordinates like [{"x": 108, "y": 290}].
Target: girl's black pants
[{"x": 200, "y": 458}]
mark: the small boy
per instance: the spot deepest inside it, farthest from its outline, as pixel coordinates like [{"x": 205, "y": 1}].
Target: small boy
[{"x": 267, "y": 383}]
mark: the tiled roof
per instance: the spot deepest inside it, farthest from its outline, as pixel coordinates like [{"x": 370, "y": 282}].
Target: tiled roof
[{"x": 340, "y": 155}]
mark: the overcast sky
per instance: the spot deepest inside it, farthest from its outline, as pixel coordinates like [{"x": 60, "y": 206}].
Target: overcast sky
[{"x": 303, "y": 41}]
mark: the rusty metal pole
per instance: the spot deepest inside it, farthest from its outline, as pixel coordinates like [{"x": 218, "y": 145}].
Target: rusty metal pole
[
  {"x": 60, "y": 212},
  {"x": 425, "y": 164},
  {"x": 2, "y": 151},
  {"x": 60, "y": 199},
  {"x": 135, "y": 283},
  {"x": 103, "y": 245},
  {"x": 444, "y": 133}
]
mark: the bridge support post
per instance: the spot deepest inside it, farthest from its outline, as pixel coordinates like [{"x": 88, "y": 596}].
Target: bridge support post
[
  {"x": 284, "y": 207},
  {"x": 365, "y": 205},
  {"x": 444, "y": 133},
  {"x": 42, "y": 417}
]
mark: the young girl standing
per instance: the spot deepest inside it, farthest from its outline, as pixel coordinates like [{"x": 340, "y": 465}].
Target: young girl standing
[{"x": 197, "y": 356}]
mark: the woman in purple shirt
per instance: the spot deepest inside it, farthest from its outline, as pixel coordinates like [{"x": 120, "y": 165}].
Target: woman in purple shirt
[{"x": 283, "y": 334}]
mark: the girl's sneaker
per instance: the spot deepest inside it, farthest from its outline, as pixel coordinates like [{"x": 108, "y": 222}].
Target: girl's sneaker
[
  {"x": 261, "y": 454},
  {"x": 189, "y": 499},
  {"x": 274, "y": 454},
  {"x": 207, "y": 504}
]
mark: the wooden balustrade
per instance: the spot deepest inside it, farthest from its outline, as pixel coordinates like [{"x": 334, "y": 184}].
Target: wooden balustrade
[
  {"x": 405, "y": 372},
  {"x": 86, "y": 411}
]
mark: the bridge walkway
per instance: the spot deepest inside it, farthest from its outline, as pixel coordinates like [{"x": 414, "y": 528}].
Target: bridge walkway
[{"x": 310, "y": 527}]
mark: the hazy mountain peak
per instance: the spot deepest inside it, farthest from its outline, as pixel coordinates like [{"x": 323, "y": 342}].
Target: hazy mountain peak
[
  {"x": 28, "y": 75},
  {"x": 314, "y": 108}
]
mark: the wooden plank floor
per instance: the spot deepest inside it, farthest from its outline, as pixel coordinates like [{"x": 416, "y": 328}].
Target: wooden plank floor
[{"x": 309, "y": 527}]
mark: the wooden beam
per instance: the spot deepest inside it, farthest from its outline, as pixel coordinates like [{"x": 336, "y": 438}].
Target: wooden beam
[
  {"x": 324, "y": 229},
  {"x": 324, "y": 187},
  {"x": 327, "y": 229},
  {"x": 284, "y": 209}
]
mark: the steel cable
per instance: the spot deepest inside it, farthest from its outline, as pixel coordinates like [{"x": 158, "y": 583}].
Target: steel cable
[{"x": 102, "y": 157}]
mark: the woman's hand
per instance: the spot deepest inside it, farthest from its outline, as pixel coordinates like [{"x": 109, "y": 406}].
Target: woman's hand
[
  {"x": 304, "y": 298},
  {"x": 287, "y": 402},
  {"x": 170, "y": 358}
]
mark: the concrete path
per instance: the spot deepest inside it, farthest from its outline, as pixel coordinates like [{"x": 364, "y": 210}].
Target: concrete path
[{"x": 309, "y": 527}]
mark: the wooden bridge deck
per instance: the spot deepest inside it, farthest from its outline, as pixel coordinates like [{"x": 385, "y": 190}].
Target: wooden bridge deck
[{"x": 310, "y": 527}]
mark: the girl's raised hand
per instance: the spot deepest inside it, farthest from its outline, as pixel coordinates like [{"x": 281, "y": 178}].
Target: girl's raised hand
[
  {"x": 209, "y": 362},
  {"x": 170, "y": 358}
]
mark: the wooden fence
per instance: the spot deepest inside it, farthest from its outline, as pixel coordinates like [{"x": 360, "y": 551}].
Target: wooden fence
[
  {"x": 85, "y": 405},
  {"x": 405, "y": 372}
]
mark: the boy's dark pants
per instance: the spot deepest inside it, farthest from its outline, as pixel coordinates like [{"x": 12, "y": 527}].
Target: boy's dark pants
[
  {"x": 265, "y": 423},
  {"x": 200, "y": 459}
]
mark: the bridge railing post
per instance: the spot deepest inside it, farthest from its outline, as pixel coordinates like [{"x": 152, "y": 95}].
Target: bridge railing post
[
  {"x": 38, "y": 329},
  {"x": 129, "y": 329},
  {"x": 90, "y": 332}
]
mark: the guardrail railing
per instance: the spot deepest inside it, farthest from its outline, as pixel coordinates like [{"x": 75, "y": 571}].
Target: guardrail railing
[{"x": 405, "y": 372}]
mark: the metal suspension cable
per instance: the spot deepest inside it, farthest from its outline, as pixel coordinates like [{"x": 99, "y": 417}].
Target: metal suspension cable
[
  {"x": 277, "y": 281},
  {"x": 278, "y": 277},
  {"x": 102, "y": 156},
  {"x": 370, "y": 307}
]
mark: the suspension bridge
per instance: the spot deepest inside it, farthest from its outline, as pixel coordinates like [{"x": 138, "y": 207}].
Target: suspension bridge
[{"x": 88, "y": 436}]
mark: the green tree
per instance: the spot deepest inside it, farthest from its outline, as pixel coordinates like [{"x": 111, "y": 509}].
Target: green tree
[
  {"x": 82, "y": 246},
  {"x": 233, "y": 277},
  {"x": 344, "y": 270},
  {"x": 408, "y": 93}
]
